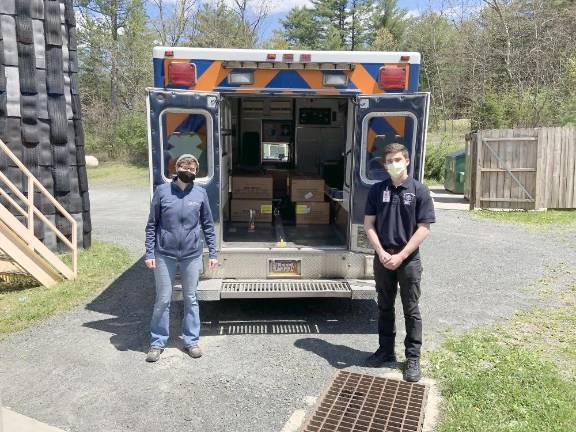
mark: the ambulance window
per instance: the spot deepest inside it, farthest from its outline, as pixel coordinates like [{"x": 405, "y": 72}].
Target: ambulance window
[
  {"x": 378, "y": 130},
  {"x": 186, "y": 131}
]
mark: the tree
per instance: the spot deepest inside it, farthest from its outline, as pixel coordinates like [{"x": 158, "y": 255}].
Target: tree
[
  {"x": 300, "y": 29},
  {"x": 387, "y": 15},
  {"x": 173, "y": 21}
]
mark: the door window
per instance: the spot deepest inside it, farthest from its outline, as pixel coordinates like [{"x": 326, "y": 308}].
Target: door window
[
  {"x": 378, "y": 130},
  {"x": 186, "y": 131}
]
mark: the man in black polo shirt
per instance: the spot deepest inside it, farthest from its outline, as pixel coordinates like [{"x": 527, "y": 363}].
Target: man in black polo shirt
[{"x": 397, "y": 219}]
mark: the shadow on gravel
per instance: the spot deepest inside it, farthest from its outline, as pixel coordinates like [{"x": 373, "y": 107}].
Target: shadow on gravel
[{"x": 128, "y": 302}]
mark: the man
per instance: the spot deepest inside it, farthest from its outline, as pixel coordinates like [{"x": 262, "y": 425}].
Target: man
[
  {"x": 399, "y": 211},
  {"x": 178, "y": 213}
]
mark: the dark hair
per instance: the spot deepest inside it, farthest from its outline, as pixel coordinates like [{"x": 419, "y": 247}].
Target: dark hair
[{"x": 395, "y": 148}]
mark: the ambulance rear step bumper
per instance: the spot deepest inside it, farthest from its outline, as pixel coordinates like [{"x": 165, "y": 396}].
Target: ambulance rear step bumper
[{"x": 223, "y": 289}]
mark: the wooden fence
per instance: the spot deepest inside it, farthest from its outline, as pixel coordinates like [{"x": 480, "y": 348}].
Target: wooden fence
[{"x": 521, "y": 168}]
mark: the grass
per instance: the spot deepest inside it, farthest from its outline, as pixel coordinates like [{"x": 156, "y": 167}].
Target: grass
[
  {"x": 116, "y": 173},
  {"x": 22, "y": 306},
  {"x": 443, "y": 138},
  {"x": 517, "y": 376},
  {"x": 549, "y": 217}
]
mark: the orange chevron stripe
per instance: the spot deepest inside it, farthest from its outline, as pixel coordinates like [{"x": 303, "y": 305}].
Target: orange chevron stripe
[
  {"x": 211, "y": 77},
  {"x": 364, "y": 81}
]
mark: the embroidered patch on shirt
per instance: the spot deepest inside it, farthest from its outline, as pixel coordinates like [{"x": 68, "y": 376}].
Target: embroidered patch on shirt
[{"x": 408, "y": 198}]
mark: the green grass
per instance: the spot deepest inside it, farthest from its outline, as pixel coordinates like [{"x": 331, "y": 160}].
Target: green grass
[
  {"x": 118, "y": 173},
  {"x": 443, "y": 138},
  {"x": 549, "y": 217},
  {"x": 22, "y": 306},
  {"x": 517, "y": 376}
]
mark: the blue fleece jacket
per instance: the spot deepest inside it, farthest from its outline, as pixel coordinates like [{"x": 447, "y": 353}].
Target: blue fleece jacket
[{"x": 176, "y": 218}]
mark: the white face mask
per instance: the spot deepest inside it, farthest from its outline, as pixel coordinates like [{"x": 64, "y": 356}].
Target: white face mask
[{"x": 395, "y": 169}]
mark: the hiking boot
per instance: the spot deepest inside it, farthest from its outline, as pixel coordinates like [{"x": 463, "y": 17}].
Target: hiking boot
[
  {"x": 153, "y": 354},
  {"x": 412, "y": 372},
  {"x": 379, "y": 359},
  {"x": 194, "y": 351}
]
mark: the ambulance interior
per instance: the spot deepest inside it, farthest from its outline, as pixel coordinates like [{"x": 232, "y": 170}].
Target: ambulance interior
[{"x": 283, "y": 171}]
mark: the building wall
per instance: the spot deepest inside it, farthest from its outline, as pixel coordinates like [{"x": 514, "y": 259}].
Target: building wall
[{"x": 40, "y": 116}]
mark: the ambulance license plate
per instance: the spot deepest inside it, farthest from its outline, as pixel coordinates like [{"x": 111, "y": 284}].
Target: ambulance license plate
[{"x": 284, "y": 267}]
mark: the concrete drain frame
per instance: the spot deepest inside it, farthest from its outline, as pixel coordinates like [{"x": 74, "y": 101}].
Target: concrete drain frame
[{"x": 357, "y": 402}]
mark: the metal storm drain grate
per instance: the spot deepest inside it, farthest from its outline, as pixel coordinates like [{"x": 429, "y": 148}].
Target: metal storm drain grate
[
  {"x": 275, "y": 288},
  {"x": 358, "y": 402}
]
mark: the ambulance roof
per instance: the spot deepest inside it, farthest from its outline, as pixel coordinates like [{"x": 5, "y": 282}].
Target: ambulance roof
[{"x": 259, "y": 55}]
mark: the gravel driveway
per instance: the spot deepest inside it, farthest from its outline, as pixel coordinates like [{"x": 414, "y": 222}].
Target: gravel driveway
[{"x": 84, "y": 370}]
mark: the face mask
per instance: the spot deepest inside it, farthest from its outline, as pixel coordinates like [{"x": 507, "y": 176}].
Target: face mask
[
  {"x": 395, "y": 169},
  {"x": 185, "y": 176}
]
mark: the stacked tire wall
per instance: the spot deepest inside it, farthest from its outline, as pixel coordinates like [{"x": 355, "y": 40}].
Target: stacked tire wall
[{"x": 40, "y": 116}]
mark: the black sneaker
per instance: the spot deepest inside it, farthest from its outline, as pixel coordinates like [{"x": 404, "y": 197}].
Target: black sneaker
[
  {"x": 412, "y": 372},
  {"x": 153, "y": 354},
  {"x": 380, "y": 358}
]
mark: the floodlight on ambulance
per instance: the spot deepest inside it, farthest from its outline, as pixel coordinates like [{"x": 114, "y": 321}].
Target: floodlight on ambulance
[
  {"x": 241, "y": 77},
  {"x": 392, "y": 78},
  {"x": 182, "y": 74},
  {"x": 335, "y": 79}
]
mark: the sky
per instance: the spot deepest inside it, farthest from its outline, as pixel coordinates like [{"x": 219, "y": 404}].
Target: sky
[{"x": 414, "y": 7}]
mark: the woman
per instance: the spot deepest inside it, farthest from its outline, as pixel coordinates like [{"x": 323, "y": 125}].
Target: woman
[{"x": 178, "y": 212}]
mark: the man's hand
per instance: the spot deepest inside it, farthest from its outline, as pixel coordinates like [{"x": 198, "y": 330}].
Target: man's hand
[
  {"x": 212, "y": 263},
  {"x": 384, "y": 257},
  {"x": 150, "y": 263},
  {"x": 394, "y": 262}
]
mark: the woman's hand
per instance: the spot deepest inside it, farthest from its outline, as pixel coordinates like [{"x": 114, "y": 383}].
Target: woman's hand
[
  {"x": 150, "y": 263},
  {"x": 212, "y": 263}
]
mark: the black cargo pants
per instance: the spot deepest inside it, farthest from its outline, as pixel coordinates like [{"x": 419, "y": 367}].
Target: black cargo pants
[{"x": 407, "y": 276}]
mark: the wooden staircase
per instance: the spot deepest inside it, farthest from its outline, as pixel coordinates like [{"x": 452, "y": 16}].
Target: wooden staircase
[{"x": 21, "y": 252}]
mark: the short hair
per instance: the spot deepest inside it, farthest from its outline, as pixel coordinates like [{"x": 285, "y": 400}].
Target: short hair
[
  {"x": 186, "y": 159},
  {"x": 395, "y": 148}
]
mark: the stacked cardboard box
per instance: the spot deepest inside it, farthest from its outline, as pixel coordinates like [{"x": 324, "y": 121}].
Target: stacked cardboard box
[
  {"x": 308, "y": 195},
  {"x": 251, "y": 193}
]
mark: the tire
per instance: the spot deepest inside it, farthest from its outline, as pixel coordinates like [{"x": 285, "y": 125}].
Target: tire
[
  {"x": 76, "y": 107},
  {"x": 52, "y": 29},
  {"x": 7, "y": 7},
  {"x": 60, "y": 156},
  {"x": 24, "y": 8},
  {"x": 73, "y": 61},
  {"x": 74, "y": 84},
  {"x": 39, "y": 44},
  {"x": 45, "y": 146},
  {"x": 87, "y": 221},
  {"x": 72, "y": 38},
  {"x": 37, "y": 9},
  {"x": 27, "y": 69},
  {"x": 61, "y": 180},
  {"x": 69, "y": 13},
  {"x": 9, "y": 38},
  {"x": 54, "y": 71},
  {"x": 30, "y": 137},
  {"x": 29, "y": 108},
  {"x": 24, "y": 29},
  {"x": 80, "y": 156},
  {"x": 83, "y": 179},
  {"x": 58, "y": 121},
  {"x": 79, "y": 131},
  {"x": 42, "y": 108},
  {"x": 85, "y": 201},
  {"x": 87, "y": 240},
  {"x": 13, "y": 136}
]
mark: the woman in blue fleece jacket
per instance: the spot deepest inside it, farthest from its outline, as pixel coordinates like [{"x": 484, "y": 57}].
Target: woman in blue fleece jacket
[{"x": 178, "y": 212}]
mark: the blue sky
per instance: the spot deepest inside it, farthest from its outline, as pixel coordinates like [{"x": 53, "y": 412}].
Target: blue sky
[{"x": 413, "y": 6}]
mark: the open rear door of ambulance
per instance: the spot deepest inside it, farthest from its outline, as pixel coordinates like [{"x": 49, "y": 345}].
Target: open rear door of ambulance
[
  {"x": 185, "y": 122},
  {"x": 380, "y": 120}
]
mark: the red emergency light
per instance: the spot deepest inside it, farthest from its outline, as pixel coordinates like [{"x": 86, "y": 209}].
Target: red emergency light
[
  {"x": 270, "y": 56},
  {"x": 182, "y": 74},
  {"x": 392, "y": 78},
  {"x": 287, "y": 57},
  {"x": 305, "y": 58}
]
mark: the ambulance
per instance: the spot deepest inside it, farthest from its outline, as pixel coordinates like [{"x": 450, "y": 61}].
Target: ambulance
[{"x": 289, "y": 143}]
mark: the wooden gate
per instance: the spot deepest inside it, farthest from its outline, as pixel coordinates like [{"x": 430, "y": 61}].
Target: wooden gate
[{"x": 521, "y": 168}]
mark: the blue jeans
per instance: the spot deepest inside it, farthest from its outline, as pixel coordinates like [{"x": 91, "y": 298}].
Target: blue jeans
[{"x": 165, "y": 275}]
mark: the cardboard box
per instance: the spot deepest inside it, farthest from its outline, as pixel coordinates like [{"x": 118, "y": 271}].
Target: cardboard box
[
  {"x": 240, "y": 210},
  {"x": 251, "y": 187},
  {"x": 307, "y": 189},
  {"x": 317, "y": 213}
]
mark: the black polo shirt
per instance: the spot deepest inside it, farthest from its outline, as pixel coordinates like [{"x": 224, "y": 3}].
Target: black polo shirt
[{"x": 399, "y": 210}]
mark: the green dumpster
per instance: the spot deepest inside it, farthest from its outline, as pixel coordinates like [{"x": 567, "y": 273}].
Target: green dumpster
[{"x": 454, "y": 171}]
